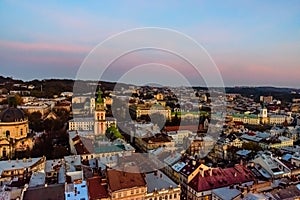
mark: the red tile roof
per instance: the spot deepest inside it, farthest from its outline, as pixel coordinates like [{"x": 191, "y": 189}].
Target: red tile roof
[
  {"x": 96, "y": 189},
  {"x": 193, "y": 128},
  {"x": 118, "y": 180},
  {"x": 221, "y": 178}
]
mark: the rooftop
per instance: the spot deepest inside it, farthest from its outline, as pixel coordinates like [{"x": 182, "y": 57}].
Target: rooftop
[
  {"x": 158, "y": 181},
  {"x": 226, "y": 193},
  {"x": 8, "y": 165},
  {"x": 158, "y": 138},
  {"x": 37, "y": 179},
  {"x": 119, "y": 180},
  {"x": 96, "y": 189},
  {"x": 218, "y": 177},
  {"x": 51, "y": 192}
]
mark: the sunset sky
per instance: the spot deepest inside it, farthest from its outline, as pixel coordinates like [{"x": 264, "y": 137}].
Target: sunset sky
[{"x": 251, "y": 42}]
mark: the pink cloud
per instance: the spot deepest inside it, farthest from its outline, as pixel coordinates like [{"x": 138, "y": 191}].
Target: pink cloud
[{"x": 44, "y": 47}]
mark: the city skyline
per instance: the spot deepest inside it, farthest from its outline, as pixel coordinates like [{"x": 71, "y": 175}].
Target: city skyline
[{"x": 252, "y": 43}]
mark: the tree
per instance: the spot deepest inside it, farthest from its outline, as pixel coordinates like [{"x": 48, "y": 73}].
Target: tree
[
  {"x": 35, "y": 121},
  {"x": 113, "y": 133},
  {"x": 251, "y": 146},
  {"x": 59, "y": 152}
]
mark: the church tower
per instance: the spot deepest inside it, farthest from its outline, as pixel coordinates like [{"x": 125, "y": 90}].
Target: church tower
[
  {"x": 264, "y": 115},
  {"x": 99, "y": 115}
]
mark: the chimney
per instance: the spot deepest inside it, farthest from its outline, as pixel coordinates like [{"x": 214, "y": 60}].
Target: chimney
[
  {"x": 202, "y": 172},
  {"x": 194, "y": 162},
  {"x": 210, "y": 171}
]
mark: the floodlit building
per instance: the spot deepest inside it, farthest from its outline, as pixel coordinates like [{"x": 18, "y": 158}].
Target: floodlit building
[
  {"x": 159, "y": 186},
  {"x": 14, "y": 129}
]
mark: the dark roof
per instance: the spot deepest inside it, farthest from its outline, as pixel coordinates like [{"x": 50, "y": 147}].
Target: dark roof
[
  {"x": 51, "y": 192},
  {"x": 12, "y": 114},
  {"x": 96, "y": 189},
  {"x": 158, "y": 138}
]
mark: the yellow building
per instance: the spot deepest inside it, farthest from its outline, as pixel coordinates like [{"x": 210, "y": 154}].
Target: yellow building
[
  {"x": 246, "y": 118},
  {"x": 149, "y": 110},
  {"x": 13, "y": 131}
]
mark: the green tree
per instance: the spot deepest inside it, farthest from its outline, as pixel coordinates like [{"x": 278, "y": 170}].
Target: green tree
[
  {"x": 251, "y": 146},
  {"x": 35, "y": 121},
  {"x": 113, "y": 133}
]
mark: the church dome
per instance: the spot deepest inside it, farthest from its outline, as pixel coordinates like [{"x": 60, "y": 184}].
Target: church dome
[{"x": 12, "y": 115}]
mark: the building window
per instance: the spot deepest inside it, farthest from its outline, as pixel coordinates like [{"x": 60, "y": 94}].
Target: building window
[
  {"x": 21, "y": 132},
  {"x": 7, "y": 133},
  {"x": 4, "y": 152}
]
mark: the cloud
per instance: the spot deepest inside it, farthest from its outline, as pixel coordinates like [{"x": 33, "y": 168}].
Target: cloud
[{"x": 43, "y": 47}]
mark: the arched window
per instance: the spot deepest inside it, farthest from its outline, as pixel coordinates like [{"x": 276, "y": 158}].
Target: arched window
[{"x": 21, "y": 131}]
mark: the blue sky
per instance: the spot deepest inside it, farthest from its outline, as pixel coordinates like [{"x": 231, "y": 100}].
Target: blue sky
[{"x": 252, "y": 42}]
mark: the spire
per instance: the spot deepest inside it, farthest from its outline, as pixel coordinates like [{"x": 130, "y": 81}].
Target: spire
[
  {"x": 99, "y": 97},
  {"x": 99, "y": 101}
]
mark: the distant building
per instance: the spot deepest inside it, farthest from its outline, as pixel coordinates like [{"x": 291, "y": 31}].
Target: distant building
[
  {"x": 42, "y": 108},
  {"x": 266, "y": 99},
  {"x": 81, "y": 124},
  {"x": 143, "y": 109},
  {"x": 178, "y": 136},
  {"x": 246, "y": 118},
  {"x": 14, "y": 128},
  {"x": 98, "y": 123},
  {"x": 154, "y": 142},
  {"x": 198, "y": 146},
  {"x": 99, "y": 116}
]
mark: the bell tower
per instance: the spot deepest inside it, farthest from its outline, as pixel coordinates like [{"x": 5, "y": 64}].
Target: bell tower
[
  {"x": 99, "y": 115},
  {"x": 264, "y": 114}
]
